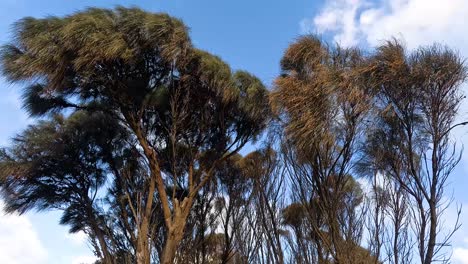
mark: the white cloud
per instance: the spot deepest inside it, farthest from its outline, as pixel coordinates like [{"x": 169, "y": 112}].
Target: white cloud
[
  {"x": 460, "y": 255},
  {"x": 84, "y": 260},
  {"x": 339, "y": 17},
  {"x": 420, "y": 22},
  {"x": 78, "y": 239},
  {"x": 417, "y": 22},
  {"x": 19, "y": 242}
]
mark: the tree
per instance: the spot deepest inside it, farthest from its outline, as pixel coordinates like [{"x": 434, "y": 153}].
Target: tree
[
  {"x": 265, "y": 169},
  {"x": 418, "y": 95},
  {"x": 389, "y": 203},
  {"x": 184, "y": 107},
  {"x": 323, "y": 102},
  {"x": 138, "y": 141},
  {"x": 55, "y": 164}
]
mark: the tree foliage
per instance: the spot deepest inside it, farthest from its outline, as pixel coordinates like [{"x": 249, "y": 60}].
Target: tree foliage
[
  {"x": 139, "y": 141},
  {"x": 184, "y": 107}
]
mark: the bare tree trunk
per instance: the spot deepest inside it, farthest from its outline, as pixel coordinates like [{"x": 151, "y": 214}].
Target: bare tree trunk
[
  {"x": 173, "y": 240},
  {"x": 143, "y": 251},
  {"x": 432, "y": 234},
  {"x": 175, "y": 230}
]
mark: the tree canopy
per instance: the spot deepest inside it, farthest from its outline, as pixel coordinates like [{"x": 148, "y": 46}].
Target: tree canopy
[
  {"x": 139, "y": 140},
  {"x": 185, "y": 108}
]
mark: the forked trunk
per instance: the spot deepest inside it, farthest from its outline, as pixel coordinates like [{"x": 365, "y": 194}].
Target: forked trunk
[
  {"x": 170, "y": 249},
  {"x": 175, "y": 231}
]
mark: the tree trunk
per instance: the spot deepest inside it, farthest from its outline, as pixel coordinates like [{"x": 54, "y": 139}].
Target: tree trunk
[
  {"x": 174, "y": 236},
  {"x": 142, "y": 251},
  {"x": 432, "y": 234},
  {"x": 175, "y": 231},
  {"x": 170, "y": 248}
]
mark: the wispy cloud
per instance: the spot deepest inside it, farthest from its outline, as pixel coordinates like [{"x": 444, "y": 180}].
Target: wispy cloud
[
  {"x": 83, "y": 260},
  {"x": 19, "y": 242},
  {"x": 418, "y": 21},
  {"x": 78, "y": 239}
]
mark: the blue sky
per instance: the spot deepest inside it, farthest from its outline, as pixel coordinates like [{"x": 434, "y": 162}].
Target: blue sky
[{"x": 249, "y": 35}]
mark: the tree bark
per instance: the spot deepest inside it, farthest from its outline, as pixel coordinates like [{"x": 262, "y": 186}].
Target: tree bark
[
  {"x": 175, "y": 230},
  {"x": 170, "y": 248},
  {"x": 142, "y": 251}
]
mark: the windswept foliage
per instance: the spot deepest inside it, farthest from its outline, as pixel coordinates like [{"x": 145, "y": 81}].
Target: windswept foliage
[
  {"x": 323, "y": 102},
  {"x": 138, "y": 140},
  {"x": 418, "y": 100},
  {"x": 184, "y": 107}
]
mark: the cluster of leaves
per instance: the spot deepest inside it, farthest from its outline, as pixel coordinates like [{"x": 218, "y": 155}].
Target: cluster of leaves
[{"x": 139, "y": 133}]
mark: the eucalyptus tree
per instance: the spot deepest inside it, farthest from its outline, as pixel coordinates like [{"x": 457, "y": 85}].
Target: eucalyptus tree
[
  {"x": 252, "y": 193},
  {"x": 185, "y": 108},
  {"x": 418, "y": 96},
  {"x": 389, "y": 204},
  {"x": 246, "y": 226},
  {"x": 263, "y": 167},
  {"x": 56, "y": 164},
  {"x": 323, "y": 102}
]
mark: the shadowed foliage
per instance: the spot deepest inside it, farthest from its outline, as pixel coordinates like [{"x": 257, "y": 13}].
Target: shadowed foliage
[
  {"x": 139, "y": 140},
  {"x": 184, "y": 107}
]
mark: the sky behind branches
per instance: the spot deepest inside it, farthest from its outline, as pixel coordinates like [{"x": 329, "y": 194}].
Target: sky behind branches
[{"x": 249, "y": 35}]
